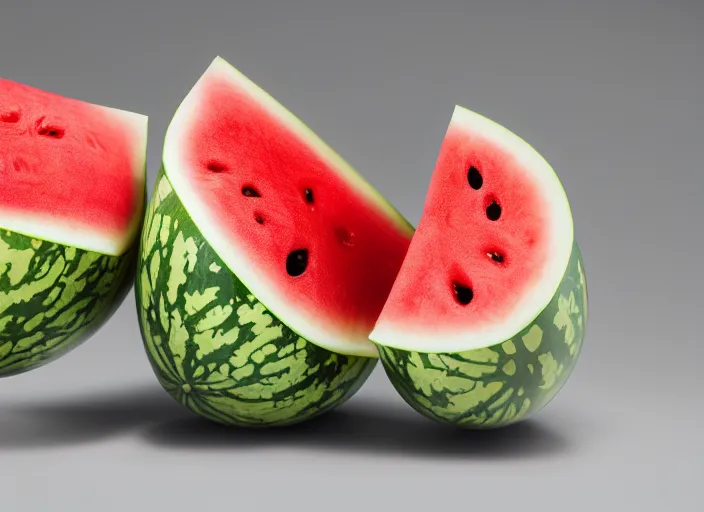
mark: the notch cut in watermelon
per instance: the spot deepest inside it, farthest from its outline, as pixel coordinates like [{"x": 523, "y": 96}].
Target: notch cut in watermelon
[
  {"x": 309, "y": 238},
  {"x": 73, "y": 172},
  {"x": 491, "y": 249}
]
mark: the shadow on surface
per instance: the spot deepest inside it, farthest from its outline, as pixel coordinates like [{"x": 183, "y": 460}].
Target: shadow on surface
[
  {"x": 361, "y": 426},
  {"x": 84, "y": 419},
  {"x": 368, "y": 428}
]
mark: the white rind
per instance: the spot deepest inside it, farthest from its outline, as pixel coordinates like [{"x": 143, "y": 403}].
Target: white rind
[
  {"x": 61, "y": 232},
  {"x": 82, "y": 235},
  {"x": 337, "y": 338},
  {"x": 449, "y": 339}
]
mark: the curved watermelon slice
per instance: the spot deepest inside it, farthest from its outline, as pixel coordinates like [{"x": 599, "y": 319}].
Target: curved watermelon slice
[
  {"x": 71, "y": 206},
  {"x": 265, "y": 260},
  {"x": 486, "y": 318}
]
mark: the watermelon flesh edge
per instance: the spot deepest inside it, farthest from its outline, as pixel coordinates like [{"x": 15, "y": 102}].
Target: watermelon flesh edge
[
  {"x": 214, "y": 347},
  {"x": 73, "y": 172},
  {"x": 260, "y": 186},
  {"x": 504, "y": 383}
]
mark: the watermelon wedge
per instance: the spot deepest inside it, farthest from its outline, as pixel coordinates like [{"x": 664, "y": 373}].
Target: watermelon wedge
[
  {"x": 265, "y": 261},
  {"x": 71, "y": 206},
  {"x": 486, "y": 318}
]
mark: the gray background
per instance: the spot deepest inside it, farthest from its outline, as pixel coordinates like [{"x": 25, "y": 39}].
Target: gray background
[{"x": 609, "y": 91}]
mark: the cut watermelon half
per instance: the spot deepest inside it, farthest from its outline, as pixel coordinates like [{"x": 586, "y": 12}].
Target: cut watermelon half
[
  {"x": 73, "y": 172},
  {"x": 486, "y": 317},
  {"x": 71, "y": 206},
  {"x": 307, "y": 235},
  {"x": 264, "y": 263}
]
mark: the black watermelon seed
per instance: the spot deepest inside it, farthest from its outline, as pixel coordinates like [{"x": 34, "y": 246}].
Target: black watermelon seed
[
  {"x": 493, "y": 211},
  {"x": 496, "y": 256},
  {"x": 309, "y": 195},
  {"x": 474, "y": 178},
  {"x": 463, "y": 294},
  {"x": 250, "y": 192},
  {"x": 297, "y": 262}
]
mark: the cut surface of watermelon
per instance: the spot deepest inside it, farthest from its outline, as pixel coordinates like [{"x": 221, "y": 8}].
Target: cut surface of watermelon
[
  {"x": 73, "y": 172},
  {"x": 491, "y": 249},
  {"x": 310, "y": 238}
]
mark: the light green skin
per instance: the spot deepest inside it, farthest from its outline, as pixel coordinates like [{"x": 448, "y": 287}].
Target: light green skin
[
  {"x": 53, "y": 298},
  {"x": 213, "y": 346},
  {"x": 502, "y": 384}
]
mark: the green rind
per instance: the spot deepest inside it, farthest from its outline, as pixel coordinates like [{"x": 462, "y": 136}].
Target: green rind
[
  {"x": 502, "y": 384},
  {"x": 53, "y": 298},
  {"x": 213, "y": 346}
]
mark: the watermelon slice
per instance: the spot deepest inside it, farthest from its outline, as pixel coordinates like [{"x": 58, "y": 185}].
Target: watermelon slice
[
  {"x": 71, "y": 206},
  {"x": 265, "y": 260},
  {"x": 486, "y": 317}
]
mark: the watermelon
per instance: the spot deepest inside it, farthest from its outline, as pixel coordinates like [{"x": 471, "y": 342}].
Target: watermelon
[
  {"x": 486, "y": 318},
  {"x": 71, "y": 207},
  {"x": 265, "y": 260}
]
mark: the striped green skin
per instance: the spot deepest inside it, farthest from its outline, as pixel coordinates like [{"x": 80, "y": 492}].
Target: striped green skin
[
  {"x": 53, "y": 298},
  {"x": 502, "y": 384},
  {"x": 213, "y": 346}
]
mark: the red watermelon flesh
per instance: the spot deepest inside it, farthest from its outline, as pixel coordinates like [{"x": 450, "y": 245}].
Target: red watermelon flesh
[
  {"x": 491, "y": 247},
  {"x": 263, "y": 189},
  {"x": 72, "y": 172}
]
